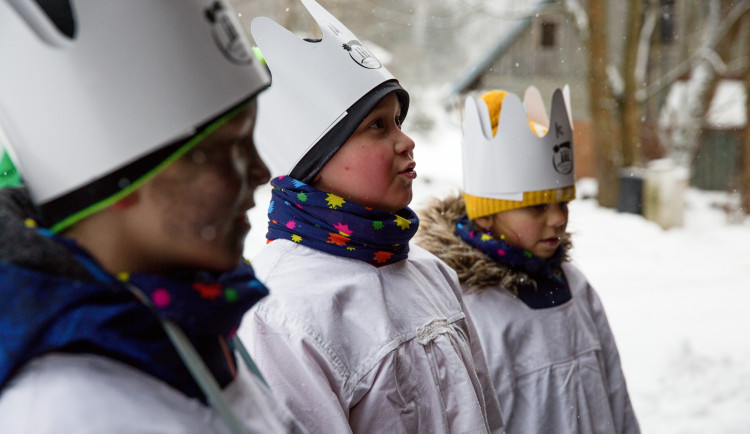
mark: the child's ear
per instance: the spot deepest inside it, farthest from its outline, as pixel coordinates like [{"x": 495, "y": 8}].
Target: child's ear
[
  {"x": 127, "y": 201},
  {"x": 484, "y": 222}
]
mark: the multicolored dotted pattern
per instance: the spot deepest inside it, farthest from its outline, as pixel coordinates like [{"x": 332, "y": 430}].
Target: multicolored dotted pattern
[
  {"x": 206, "y": 304},
  {"x": 498, "y": 249},
  {"x": 331, "y": 224}
]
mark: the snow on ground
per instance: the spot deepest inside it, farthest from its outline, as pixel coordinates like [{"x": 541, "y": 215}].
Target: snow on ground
[
  {"x": 677, "y": 300},
  {"x": 677, "y": 303}
]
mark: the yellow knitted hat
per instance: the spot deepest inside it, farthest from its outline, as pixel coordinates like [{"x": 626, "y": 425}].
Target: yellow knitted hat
[{"x": 481, "y": 206}]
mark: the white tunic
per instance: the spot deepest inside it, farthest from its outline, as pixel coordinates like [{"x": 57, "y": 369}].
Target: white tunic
[
  {"x": 555, "y": 369},
  {"x": 84, "y": 393},
  {"x": 349, "y": 347}
]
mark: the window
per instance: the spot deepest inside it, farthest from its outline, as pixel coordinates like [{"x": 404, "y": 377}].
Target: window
[{"x": 549, "y": 34}]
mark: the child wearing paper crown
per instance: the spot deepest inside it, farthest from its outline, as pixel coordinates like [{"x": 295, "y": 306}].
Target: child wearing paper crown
[
  {"x": 363, "y": 332},
  {"x": 548, "y": 344},
  {"x": 121, "y": 272}
]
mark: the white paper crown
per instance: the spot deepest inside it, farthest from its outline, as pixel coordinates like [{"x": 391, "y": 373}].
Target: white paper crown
[
  {"x": 314, "y": 83},
  {"x": 516, "y": 160},
  {"x": 114, "y": 82}
]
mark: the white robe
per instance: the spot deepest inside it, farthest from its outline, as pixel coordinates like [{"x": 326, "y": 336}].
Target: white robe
[
  {"x": 555, "y": 369},
  {"x": 349, "y": 347},
  {"x": 84, "y": 393}
]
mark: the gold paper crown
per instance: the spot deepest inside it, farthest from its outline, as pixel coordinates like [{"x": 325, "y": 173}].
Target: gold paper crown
[{"x": 508, "y": 165}]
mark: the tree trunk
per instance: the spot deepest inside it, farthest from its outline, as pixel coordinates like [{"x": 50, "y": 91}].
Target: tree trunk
[
  {"x": 631, "y": 109},
  {"x": 602, "y": 107}
]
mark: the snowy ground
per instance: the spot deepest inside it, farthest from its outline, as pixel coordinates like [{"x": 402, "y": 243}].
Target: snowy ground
[{"x": 677, "y": 300}]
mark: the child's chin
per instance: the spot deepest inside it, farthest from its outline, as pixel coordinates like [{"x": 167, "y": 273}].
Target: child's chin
[
  {"x": 220, "y": 262},
  {"x": 544, "y": 255}
]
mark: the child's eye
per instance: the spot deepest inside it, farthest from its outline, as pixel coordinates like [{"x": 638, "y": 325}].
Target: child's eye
[
  {"x": 540, "y": 207},
  {"x": 399, "y": 122},
  {"x": 377, "y": 124}
]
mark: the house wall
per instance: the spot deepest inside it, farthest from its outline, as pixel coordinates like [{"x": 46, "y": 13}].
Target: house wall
[
  {"x": 526, "y": 62},
  {"x": 718, "y": 162}
]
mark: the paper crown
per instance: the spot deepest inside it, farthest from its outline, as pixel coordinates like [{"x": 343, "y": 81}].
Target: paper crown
[
  {"x": 314, "y": 83},
  {"x": 515, "y": 160},
  {"x": 97, "y": 85}
]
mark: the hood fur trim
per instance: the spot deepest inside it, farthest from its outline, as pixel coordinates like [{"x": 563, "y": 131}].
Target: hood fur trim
[{"x": 437, "y": 225}]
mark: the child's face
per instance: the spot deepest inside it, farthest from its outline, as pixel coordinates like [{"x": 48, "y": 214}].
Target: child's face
[
  {"x": 538, "y": 229},
  {"x": 198, "y": 204},
  {"x": 375, "y": 167}
]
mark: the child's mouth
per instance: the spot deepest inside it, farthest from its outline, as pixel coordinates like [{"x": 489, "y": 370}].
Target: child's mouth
[{"x": 409, "y": 172}]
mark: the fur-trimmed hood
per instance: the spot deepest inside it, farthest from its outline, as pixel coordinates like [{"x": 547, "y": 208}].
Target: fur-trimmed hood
[{"x": 437, "y": 234}]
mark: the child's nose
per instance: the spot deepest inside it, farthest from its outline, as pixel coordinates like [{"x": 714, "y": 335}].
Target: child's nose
[
  {"x": 557, "y": 215},
  {"x": 404, "y": 143},
  {"x": 257, "y": 171}
]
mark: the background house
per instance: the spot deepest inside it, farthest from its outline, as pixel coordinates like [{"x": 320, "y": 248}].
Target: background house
[{"x": 548, "y": 48}]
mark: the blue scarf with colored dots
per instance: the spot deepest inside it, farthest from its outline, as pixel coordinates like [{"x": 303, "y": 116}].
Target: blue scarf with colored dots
[
  {"x": 549, "y": 288},
  {"x": 45, "y": 313},
  {"x": 326, "y": 222}
]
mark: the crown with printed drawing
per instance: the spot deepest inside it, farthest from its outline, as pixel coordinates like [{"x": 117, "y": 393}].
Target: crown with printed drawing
[
  {"x": 314, "y": 85},
  {"x": 97, "y": 97},
  {"x": 528, "y": 161}
]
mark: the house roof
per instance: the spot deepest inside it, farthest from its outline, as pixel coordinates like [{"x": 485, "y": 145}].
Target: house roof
[{"x": 501, "y": 44}]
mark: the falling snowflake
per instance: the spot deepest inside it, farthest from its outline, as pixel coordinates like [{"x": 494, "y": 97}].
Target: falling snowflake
[
  {"x": 403, "y": 223},
  {"x": 335, "y": 201}
]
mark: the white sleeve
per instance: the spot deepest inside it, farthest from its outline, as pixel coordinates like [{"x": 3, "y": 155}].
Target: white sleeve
[
  {"x": 298, "y": 370},
  {"x": 619, "y": 399},
  {"x": 494, "y": 416},
  {"x": 491, "y": 403}
]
